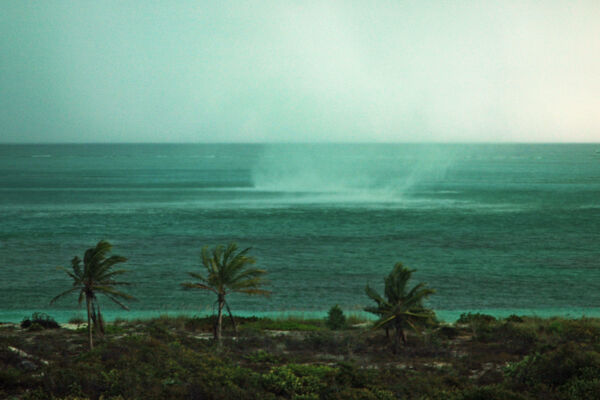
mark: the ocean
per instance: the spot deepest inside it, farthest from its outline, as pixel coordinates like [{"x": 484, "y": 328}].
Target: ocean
[{"x": 496, "y": 228}]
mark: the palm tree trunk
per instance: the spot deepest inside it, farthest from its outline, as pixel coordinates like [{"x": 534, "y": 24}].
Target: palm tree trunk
[
  {"x": 100, "y": 327},
  {"x": 89, "y": 321},
  {"x": 221, "y": 301},
  {"x": 232, "y": 319},
  {"x": 400, "y": 335}
]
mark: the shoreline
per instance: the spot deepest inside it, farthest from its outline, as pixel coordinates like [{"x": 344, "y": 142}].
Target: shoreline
[{"x": 449, "y": 316}]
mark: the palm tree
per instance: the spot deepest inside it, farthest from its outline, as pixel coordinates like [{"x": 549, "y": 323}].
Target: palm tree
[
  {"x": 97, "y": 276},
  {"x": 401, "y": 308},
  {"x": 226, "y": 273}
]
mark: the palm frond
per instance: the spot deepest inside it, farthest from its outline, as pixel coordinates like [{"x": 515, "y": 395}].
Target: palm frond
[
  {"x": 383, "y": 321},
  {"x": 198, "y": 276},
  {"x": 226, "y": 271},
  {"x": 117, "y": 301},
  {"x": 76, "y": 278},
  {"x": 192, "y": 285},
  {"x": 375, "y": 296},
  {"x": 107, "y": 275},
  {"x": 229, "y": 251},
  {"x": 256, "y": 292},
  {"x": 66, "y": 292},
  {"x": 401, "y": 304},
  {"x": 113, "y": 292},
  {"x": 250, "y": 273},
  {"x": 76, "y": 266},
  {"x": 105, "y": 265},
  {"x": 96, "y": 274},
  {"x": 413, "y": 326},
  {"x": 245, "y": 284},
  {"x": 94, "y": 256}
]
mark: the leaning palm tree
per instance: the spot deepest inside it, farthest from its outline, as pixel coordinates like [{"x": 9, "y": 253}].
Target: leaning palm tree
[
  {"x": 96, "y": 276},
  {"x": 227, "y": 272},
  {"x": 401, "y": 308}
]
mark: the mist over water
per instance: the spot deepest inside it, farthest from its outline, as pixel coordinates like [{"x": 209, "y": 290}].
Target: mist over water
[
  {"x": 351, "y": 173},
  {"x": 495, "y": 228}
]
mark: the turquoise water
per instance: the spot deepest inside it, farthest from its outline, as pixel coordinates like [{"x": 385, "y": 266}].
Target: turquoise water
[{"x": 497, "y": 228}]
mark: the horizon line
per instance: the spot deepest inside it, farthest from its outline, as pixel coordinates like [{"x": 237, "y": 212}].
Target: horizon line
[{"x": 304, "y": 143}]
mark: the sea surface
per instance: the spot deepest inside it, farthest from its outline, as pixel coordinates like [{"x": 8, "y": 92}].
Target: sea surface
[{"x": 502, "y": 228}]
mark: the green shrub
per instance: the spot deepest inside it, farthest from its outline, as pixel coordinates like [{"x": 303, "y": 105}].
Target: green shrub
[
  {"x": 514, "y": 318},
  {"x": 555, "y": 368},
  {"x": 447, "y": 332},
  {"x": 199, "y": 324},
  {"x": 322, "y": 342},
  {"x": 10, "y": 377},
  {"x": 262, "y": 356},
  {"x": 582, "y": 388},
  {"x": 581, "y": 330},
  {"x": 297, "y": 381},
  {"x": 493, "y": 392},
  {"x": 518, "y": 338},
  {"x": 43, "y": 320},
  {"x": 35, "y": 327},
  {"x": 335, "y": 318},
  {"x": 470, "y": 318},
  {"x": 76, "y": 320},
  {"x": 555, "y": 327}
]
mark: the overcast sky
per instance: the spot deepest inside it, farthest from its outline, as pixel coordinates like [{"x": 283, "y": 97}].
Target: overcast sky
[{"x": 299, "y": 71}]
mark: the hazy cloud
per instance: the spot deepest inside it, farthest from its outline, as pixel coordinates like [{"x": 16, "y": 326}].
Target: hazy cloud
[{"x": 299, "y": 71}]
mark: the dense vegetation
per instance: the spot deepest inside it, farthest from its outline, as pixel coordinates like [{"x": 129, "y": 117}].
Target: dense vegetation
[
  {"x": 339, "y": 357},
  {"x": 176, "y": 357}
]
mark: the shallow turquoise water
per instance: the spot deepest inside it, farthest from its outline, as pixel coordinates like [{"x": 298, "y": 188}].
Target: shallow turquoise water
[{"x": 501, "y": 228}]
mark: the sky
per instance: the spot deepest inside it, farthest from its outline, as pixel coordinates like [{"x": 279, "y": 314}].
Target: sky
[{"x": 299, "y": 71}]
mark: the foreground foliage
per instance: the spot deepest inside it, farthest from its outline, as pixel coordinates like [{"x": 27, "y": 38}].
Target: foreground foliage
[{"x": 481, "y": 358}]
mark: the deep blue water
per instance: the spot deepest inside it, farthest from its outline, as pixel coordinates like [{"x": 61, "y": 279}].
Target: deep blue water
[{"x": 498, "y": 228}]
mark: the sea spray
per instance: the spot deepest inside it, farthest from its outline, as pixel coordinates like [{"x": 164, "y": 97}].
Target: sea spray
[{"x": 350, "y": 173}]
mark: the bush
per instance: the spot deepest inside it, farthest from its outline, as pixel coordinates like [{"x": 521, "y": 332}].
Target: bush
[
  {"x": 35, "y": 327},
  {"x": 489, "y": 393},
  {"x": 262, "y": 356},
  {"x": 76, "y": 320},
  {"x": 335, "y": 318},
  {"x": 43, "y": 320},
  {"x": 514, "y": 318},
  {"x": 556, "y": 368},
  {"x": 294, "y": 380},
  {"x": 470, "y": 318},
  {"x": 582, "y": 388},
  {"x": 518, "y": 338},
  {"x": 581, "y": 330},
  {"x": 447, "y": 332}
]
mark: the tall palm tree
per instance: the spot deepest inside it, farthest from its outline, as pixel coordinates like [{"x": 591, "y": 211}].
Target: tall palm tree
[
  {"x": 401, "y": 308},
  {"x": 96, "y": 276},
  {"x": 227, "y": 272}
]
